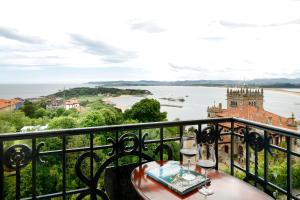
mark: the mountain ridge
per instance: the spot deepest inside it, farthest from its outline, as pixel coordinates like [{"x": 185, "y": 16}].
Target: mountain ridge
[{"x": 274, "y": 82}]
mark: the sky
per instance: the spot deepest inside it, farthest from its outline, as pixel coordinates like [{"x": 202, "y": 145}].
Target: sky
[{"x": 60, "y": 41}]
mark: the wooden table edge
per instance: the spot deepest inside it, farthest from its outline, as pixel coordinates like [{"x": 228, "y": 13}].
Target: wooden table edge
[{"x": 142, "y": 195}]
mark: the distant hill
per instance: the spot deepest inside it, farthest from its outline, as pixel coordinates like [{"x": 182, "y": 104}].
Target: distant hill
[{"x": 269, "y": 83}]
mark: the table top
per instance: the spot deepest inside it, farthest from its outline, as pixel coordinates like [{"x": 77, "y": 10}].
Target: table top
[{"x": 224, "y": 186}]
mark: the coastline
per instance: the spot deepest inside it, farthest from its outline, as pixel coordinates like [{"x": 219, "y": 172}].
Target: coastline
[
  {"x": 283, "y": 91},
  {"x": 108, "y": 100}
]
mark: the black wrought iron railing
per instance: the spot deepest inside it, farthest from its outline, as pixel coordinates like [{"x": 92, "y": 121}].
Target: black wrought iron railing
[{"x": 87, "y": 161}]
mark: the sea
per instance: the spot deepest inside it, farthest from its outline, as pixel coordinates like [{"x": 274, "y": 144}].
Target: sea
[{"x": 195, "y": 104}]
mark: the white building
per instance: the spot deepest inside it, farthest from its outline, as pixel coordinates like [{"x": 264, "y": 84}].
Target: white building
[{"x": 72, "y": 103}]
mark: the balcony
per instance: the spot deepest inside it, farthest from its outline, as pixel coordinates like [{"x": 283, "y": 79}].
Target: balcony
[{"x": 98, "y": 161}]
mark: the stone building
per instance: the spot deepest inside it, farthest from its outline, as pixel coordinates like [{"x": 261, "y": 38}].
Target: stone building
[
  {"x": 248, "y": 103},
  {"x": 245, "y": 97}
]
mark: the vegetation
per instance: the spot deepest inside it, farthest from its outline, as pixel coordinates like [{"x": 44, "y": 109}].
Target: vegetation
[
  {"x": 146, "y": 110},
  {"x": 81, "y": 91}
]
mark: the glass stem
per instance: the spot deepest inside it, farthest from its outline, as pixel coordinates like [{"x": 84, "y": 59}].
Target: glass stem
[
  {"x": 189, "y": 166},
  {"x": 205, "y": 171}
]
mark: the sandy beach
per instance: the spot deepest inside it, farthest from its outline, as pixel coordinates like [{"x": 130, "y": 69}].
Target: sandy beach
[
  {"x": 284, "y": 91},
  {"x": 108, "y": 100}
]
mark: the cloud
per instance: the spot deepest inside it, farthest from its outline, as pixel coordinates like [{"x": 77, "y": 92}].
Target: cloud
[
  {"x": 107, "y": 52},
  {"x": 246, "y": 25},
  {"x": 178, "y": 68},
  {"x": 237, "y": 25},
  {"x": 21, "y": 66},
  {"x": 147, "y": 26},
  {"x": 12, "y": 34}
]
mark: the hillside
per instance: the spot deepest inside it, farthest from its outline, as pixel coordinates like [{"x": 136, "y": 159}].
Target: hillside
[{"x": 82, "y": 91}]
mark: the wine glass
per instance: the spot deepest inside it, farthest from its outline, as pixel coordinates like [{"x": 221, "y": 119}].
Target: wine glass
[
  {"x": 207, "y": 160},
  {"x": 188, "y": 149}
]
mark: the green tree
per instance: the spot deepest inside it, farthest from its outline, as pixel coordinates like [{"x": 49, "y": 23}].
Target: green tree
[
  {"x": 29, "y": 108},
  {"x": 40, "y": 112},
  {"x": 73, "y": 112},
  {"x": 93, "y": 118},
  {"x": 109, "y": 116},
  {"x": 16, "y": 119},
  {"x": 60, "y": 112},
  {"x": 6, "y": 127},
  {"x": 42, "y": 103},
  {"x": 146, "y": 110},
  {"x": 63, "y": 122}
]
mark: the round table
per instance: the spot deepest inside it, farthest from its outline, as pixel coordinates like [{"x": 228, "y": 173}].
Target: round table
[{"x": 226, "y": 187}]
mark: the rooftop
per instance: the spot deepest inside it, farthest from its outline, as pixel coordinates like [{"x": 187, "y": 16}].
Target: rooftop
[
  {"x": 259, "y": 115},
  {"x": 9, "y": 102}
]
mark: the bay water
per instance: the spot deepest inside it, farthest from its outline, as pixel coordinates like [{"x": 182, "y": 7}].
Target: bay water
[{"x": 194, "y": 106}]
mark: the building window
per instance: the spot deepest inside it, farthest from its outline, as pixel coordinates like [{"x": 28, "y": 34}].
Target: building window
[
  {"x": 233, "y": 104},
  {"x": 226, "y": 149}
]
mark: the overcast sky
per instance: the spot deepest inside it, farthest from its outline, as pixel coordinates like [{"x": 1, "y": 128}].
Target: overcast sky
[{"x": 79, "y": 41}]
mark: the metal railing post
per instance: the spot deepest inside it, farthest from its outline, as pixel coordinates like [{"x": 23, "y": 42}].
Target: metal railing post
[
  {"x": 1, "y": 171},
  {"x": 161, "y": 135},
  {"x": 232, "y": 149},
  {"x": 266, "y": 160},
  {"x": 289, "y": 168}
]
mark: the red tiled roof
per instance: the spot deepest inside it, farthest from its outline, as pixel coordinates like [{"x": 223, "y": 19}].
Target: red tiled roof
[
  {"x": 258, "y": 115},
  {"x": 4, "y": 103},
  {"x": 8, "y": 102},
  {"x": 72, "y": 102}
]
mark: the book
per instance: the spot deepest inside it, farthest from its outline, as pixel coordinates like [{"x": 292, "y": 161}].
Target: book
[{"x": 170, "y": 175}]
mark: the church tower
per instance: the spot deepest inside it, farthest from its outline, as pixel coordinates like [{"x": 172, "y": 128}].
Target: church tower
[{"x": 245, "y": 97}]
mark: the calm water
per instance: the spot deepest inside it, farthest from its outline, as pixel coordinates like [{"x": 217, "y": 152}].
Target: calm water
[
  {"x": 197, "y": 99},
  {"x": 33, "y": 90}
]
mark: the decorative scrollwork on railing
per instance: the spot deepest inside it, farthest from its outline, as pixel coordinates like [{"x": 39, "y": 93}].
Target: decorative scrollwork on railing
[
  {"x": 92, "y": 181},
  {"x": 208, "y": 135},
  {"x": 257, "y": 141},
  {"x": 143, "y": 142},
  {"x": 17, "y": 156},
  {"x": 167, "y": 149},
  {"x": 110, "y": 140},
  {"x": 122, "y": 145},
  {"x": 127, "y": 144},
  {"x": 127, "y": 138},
  {"x": 38, "y": 149}
]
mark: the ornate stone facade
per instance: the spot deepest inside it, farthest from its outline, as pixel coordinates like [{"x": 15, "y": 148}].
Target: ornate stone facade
[{"x": 245, "y": 97}]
